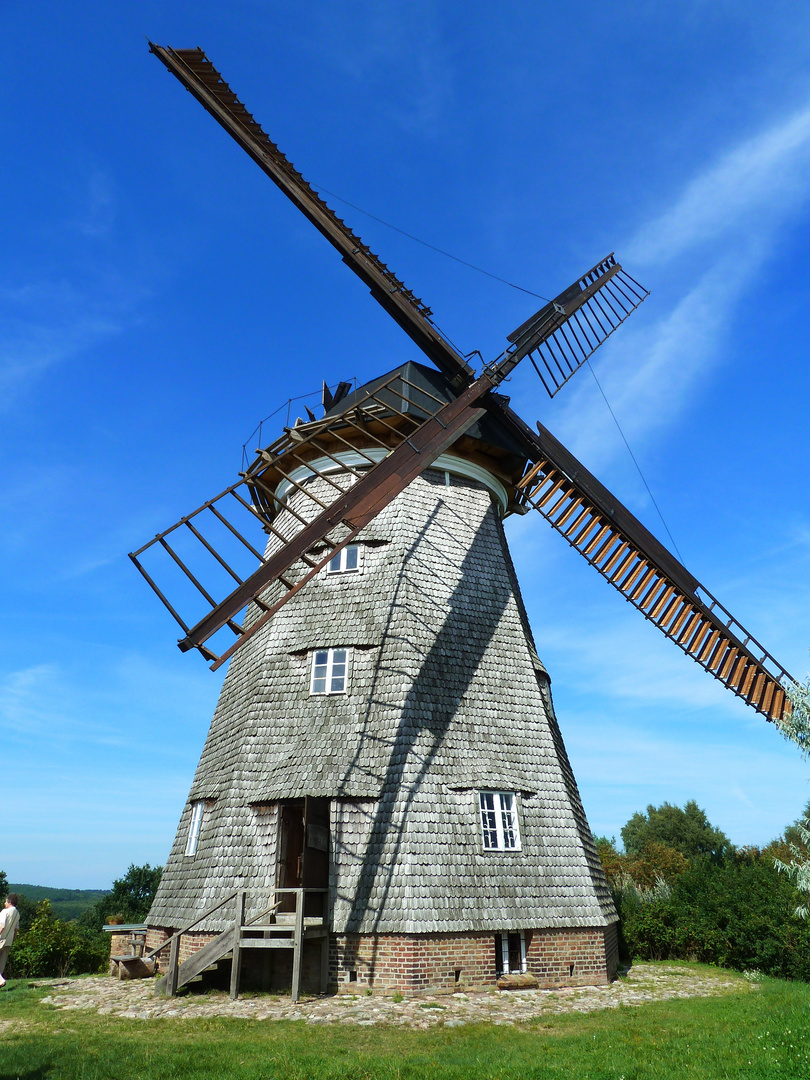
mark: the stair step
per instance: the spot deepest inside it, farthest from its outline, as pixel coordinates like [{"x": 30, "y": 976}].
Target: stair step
[
  {"x": 276, "y": 928},
  {"x": 211, "y": 952},
  {"x": 267, "y": 943}
]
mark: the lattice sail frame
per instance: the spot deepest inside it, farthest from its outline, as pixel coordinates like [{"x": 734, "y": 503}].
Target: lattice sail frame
[
  {"x": 564, "y": 333},
  {"x": 395, "y": 421},
  {"x": 681, "y": 608}
]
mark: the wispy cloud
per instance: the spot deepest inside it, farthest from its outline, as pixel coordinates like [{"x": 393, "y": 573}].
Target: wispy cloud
[
  {"x": 100, "y": 709},
  {"x": 381, "y": 47},
  {"x": 44, "y": 324},
  {"x": 630, "y": 665},
  {"x": 20, "y": 701},
  {"x": 624, "y": 767},
  {"x": 48, "y": 322},
  {"x": 752, "y": 188},
  {"x": 705, "y": 252},
  {"x": 98, "y": 210}
]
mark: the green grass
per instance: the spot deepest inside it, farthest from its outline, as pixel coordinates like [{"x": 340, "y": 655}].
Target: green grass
[{"x": 755, "y": 1034}]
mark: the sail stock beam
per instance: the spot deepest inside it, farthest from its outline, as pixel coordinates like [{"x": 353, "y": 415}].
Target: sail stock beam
[
  {"x": 196, "y": 72},
  {"x": 619, "y": 547}
]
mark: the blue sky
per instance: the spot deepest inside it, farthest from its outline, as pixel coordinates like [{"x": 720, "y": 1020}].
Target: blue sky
[{"x": 158, "y": 297}]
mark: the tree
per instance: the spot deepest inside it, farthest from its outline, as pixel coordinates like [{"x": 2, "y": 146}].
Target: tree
[
  {"x": 3, "y": 885},
  {"x": 795, "y": 726},
  {"x": 688, "y": 830},
  {"x": 129, "y": 900},
  {"x": 792, "y": 834},
  {"x": 27, "y": 909},
  {"x": 655, "y": 864}
]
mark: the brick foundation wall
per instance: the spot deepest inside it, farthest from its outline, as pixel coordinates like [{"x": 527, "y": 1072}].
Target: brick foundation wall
[
  {"x": 119, "y": 943},
  {"x": 441, "y": 963},
  {"x": 572, "y": 957}
]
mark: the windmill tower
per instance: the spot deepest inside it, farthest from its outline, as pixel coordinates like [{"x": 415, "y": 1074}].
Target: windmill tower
[{"x": 384, "y": 798}]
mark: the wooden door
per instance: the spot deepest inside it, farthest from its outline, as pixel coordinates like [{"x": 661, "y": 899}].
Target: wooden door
[
  {"x": 290, "y": 860},
  {"x": 315, "y": 862}
]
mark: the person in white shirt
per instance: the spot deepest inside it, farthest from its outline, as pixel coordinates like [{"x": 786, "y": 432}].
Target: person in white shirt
[{"x": 9, "y": 921}]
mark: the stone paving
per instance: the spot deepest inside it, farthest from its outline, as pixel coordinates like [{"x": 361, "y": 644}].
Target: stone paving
[{"x": 136, "y": 1000}]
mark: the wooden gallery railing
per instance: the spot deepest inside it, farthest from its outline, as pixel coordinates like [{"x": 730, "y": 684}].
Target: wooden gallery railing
[{"x": 278, "y": 930}]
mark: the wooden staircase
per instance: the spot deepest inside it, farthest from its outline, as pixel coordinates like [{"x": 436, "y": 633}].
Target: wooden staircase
[{"x": 272, "y": 929}]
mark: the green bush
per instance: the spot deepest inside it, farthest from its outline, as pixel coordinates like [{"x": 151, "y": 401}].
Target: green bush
[
  {"x": 50, "y": 947},
  {"x": 738, "y": 914}
]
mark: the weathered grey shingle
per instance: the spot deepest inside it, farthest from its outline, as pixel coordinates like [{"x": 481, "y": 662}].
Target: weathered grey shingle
[{"x": 446, "y": 696}]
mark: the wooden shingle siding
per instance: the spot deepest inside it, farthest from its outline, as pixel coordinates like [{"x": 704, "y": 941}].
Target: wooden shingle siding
[{"x": 445, "y": 695}]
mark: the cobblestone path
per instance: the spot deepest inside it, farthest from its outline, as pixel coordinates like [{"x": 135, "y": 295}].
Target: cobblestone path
[{"x": 643, "y": 983}]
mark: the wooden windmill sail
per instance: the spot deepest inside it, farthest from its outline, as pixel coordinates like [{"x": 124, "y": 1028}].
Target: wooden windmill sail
[{"x": 385, "y": 732}]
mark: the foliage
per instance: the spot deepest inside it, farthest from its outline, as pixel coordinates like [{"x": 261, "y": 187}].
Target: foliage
[
  {"x": 27, "y": 909},
  {"x": 795, "y": 726},
  {"x": 793, "y": 833},
  {"x": 611, "y": 859},
  {"x": 738, "y": 914},
  {"x": 130, "y": 898},
  {"x": 65, "y": 903},
  {"x": 4, "y": 889},
  {"x": 688, "y": 830},
  {"x": 655, "y": 862},
  {"x": 749, "y": 1032},
  {"x": 50, "y": 947},
  {"x": 721, "y": 906},
  {"x": 798, "y": 868}
]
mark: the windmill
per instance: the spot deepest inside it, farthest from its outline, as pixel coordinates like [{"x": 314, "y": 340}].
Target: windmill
[{"x": 384, "y": 792}]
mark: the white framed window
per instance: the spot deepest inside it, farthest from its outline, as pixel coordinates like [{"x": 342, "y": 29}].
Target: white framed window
[
  {"x": 499, "y": 823},
  {"x": 197, "y": 811},
  {"x": 330, "y": 671},
  {"x": 347, "y": 561}
]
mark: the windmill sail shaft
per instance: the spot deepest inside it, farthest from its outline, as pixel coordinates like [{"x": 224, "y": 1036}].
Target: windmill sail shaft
[{"x": 200, "y": 77}]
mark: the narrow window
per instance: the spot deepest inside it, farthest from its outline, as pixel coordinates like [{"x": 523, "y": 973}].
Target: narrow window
[
  {"x": 510, "y": 953},
  {"x": 499, "y": 826},
  {"x": 197, "y": 811},
  {"x": 329, "y": 671},
  {"x": 347, "y": 561}
]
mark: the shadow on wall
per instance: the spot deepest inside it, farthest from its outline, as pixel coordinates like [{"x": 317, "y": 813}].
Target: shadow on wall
[{"x": 464, "y": 635}]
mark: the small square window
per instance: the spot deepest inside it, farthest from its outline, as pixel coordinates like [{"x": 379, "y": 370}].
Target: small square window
[
  {"x": 197, "y": 811},
  {"x": 330, "y": 668},
  {"x": 346, "y": 561},
  {"x": 499, "y": 825}
]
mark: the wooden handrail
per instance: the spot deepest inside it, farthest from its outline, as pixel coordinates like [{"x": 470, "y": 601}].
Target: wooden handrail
[
  {"x": 185, "y": 930},
  {"x": 262, "y": 914},
  {"x": 278, "y": 903},
  {"x": 216, "y": 907}
]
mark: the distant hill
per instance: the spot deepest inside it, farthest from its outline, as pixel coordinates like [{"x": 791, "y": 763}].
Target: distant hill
[{"x": 65, "y": 903}]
